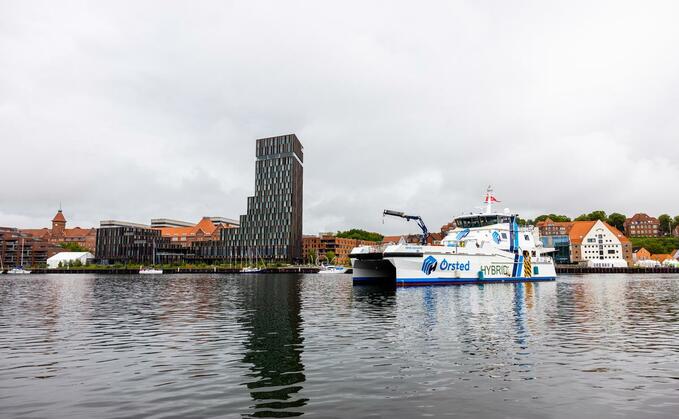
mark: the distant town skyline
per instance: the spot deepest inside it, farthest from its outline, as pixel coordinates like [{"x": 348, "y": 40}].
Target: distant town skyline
[{"x": 131, "y": 111}]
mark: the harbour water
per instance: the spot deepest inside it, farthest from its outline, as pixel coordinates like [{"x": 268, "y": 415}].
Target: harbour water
[{"x": 286, "y": 345}]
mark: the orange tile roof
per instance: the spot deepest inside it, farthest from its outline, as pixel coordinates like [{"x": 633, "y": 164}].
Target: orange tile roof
[
  {"x": 77, "y": 232},
  {"x": 176, "y": 231},
  {"x": 618, "y": 233},
  {"x": 59, "y": 217},
  {"x": 661, "y": 257},
  {"x": 391, "y": 239},
  {"x": 579, "y": 230},
  {"x": 206, "y": 225},
  {"x": 36, "y": 232}
]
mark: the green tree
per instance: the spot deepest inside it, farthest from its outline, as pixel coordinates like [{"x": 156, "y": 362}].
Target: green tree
[
  {"x": 617, "y": 220},
  {"x": 665, "y": 223},
  {"x": 597, "y": 215},
  {"x": 73, "y": 247},
  {"x": 311, "y": 256},
  {"x": 675, "y": 222},
  {"x": 330, "y": 256},
  {"x": 553, "y": 217},
  {"x": 593, "y": 216},
  {"x": 359, "y": 234}
]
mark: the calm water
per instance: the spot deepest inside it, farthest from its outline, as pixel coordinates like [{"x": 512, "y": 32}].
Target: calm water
[{"x": 287, "y": 345}]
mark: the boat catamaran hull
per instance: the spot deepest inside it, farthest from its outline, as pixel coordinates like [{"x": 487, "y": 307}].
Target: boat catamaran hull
[{"x": 483, "y": 248}]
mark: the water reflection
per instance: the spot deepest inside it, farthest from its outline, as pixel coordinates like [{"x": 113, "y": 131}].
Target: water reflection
[
  {"x": 274, "y": 345},
  {"x": 287, "y": 345}
]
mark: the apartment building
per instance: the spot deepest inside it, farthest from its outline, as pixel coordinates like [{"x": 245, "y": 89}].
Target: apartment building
[{"x": 642, "y": 225}]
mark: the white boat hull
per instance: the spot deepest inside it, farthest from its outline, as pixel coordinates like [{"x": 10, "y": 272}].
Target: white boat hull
[
  {"x": 150, "y": 272},
  {"x": 452, "y": 268}
]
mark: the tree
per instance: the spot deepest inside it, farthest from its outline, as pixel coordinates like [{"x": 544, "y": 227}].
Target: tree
[
  {"x": 593, "y": 216},
  {"x": 665, "y": 223},
  {"x": 617, "y": 220},
  {"x": 73, "y": 247},
  {"x": 675, "y": 223},
  {"x": 311, "y": 256},
  {"x": 330, "y": 256},
  {"x": 553, "y": 217},
  {"x": 359, "y": 234},
  {"x": 597, "y": 215}
]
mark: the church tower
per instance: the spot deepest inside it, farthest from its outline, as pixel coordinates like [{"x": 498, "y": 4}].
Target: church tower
[{"x": 58, "y": 225}]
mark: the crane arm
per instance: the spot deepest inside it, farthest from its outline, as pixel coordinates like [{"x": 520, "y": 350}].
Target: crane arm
[{"x": 417, "y": 218}]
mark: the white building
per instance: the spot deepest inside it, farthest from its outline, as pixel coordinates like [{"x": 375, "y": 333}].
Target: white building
[
  {"x": 69, "y": 257},
  {"x": 598, "y": 244}
]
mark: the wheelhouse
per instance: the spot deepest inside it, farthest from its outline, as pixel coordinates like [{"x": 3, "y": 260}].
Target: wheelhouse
[{"x": 475, "y": 221}]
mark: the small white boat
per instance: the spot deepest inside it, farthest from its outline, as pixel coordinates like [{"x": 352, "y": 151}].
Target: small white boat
[
  {"x": 332, "y": 269},
  {"x": 150, "y": 271},
  {"x": 18, "y": 270},
  {"x": 251, "y": 270}
]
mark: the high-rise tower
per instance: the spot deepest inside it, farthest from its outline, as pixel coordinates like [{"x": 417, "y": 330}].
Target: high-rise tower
[{"x": 272, "y": 227}]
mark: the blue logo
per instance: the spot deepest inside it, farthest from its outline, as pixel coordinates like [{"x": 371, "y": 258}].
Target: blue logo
[
  {"x": 429, "y": 265},
  {"x": 462, "y": 234},
  {"x": 496, "y": 237}
]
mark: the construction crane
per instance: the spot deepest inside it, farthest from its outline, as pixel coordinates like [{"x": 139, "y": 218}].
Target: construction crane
[{"x": 420, "y": 223}]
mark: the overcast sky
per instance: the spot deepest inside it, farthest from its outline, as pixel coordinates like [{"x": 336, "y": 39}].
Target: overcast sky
[{"x": 136, "y": 110}]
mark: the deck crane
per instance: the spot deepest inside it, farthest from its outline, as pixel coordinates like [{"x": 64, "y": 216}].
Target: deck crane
[{"x": 420, "y": 223}]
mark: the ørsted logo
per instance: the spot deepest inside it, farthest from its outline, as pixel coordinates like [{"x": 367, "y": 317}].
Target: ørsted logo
[{"x": 429, "y": 265}]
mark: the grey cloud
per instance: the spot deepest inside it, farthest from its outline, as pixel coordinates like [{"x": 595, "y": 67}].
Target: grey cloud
[{"x": 136, "y": 110}]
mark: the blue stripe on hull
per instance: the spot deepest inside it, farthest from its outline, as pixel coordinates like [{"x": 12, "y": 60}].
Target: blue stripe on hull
[
  {"x": 450, "y": 281},
  {"x": 460, "y": 281}
]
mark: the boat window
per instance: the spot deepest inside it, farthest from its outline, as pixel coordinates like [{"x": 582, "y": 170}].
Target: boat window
[
  {"x": 504, "y": 235},
  {"x": 525, "y": 236}
]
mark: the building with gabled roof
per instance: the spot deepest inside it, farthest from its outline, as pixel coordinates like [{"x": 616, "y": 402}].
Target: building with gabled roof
[
  {"x": 661, "y": 257},
  {"x": 642, "y": 225},
  {"x": 58, "y": 234},
  {"x": 206, "y": 229},
  {"x": 598, "y": 243}
]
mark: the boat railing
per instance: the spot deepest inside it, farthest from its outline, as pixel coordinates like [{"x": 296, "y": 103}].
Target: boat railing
[{"x": 379, "y": 248}]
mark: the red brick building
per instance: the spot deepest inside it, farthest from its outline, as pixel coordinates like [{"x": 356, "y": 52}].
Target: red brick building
[
  {"x": 554, "y": 228},
  {"x": 434, "y": 239},
  {"x": 642, "y": 225},
  {"x": 327, "y": 242},
  {"x": 85, "y": 237},
  {"x": 204, "y": 230},
  {"x": 17, "y": 248}
]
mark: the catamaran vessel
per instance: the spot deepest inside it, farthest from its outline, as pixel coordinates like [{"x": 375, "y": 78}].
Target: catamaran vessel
[{"x": 482, "y": 248}]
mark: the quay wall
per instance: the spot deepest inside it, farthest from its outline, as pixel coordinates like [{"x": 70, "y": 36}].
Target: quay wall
[
  {"x": 561, "y": 269},
  {"x": 308, "y": 270}
]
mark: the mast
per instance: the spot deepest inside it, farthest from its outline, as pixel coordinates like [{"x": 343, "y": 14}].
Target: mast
[
  {"x": 22, "y": 252},
  {"x": 489, "y": 200}
]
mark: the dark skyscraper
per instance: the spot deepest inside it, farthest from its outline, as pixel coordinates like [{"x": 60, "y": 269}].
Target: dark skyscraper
[{"x": 272, "y": 227}]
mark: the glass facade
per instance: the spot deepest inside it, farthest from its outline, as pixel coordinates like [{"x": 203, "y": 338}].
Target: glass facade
[{"x": 272, "y": 227}]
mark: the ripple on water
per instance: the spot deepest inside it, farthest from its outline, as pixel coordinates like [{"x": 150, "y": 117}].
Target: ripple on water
[{"x": 287, "y": 345}]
